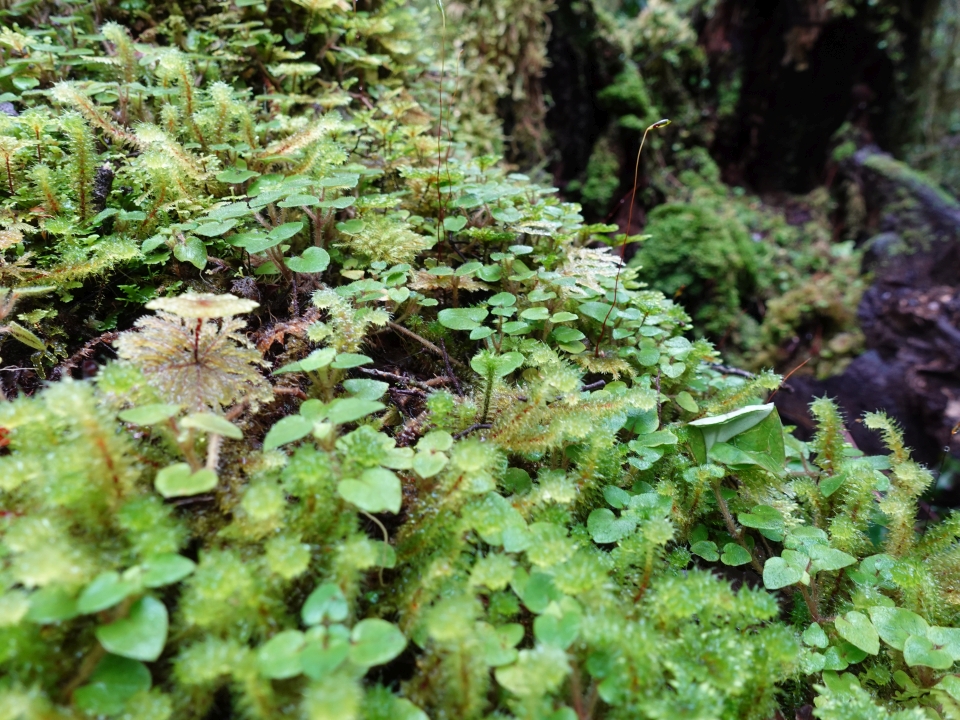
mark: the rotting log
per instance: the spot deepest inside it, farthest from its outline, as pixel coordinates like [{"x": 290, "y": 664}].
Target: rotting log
[{"x": 910, "y": 314}]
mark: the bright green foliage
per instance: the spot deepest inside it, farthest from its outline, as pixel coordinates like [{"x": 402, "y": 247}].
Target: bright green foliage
[{"x": 488, "y": 476}]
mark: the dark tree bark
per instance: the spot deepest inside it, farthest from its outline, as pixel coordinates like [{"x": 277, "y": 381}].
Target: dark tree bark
[{"x": 804, "y": 73}]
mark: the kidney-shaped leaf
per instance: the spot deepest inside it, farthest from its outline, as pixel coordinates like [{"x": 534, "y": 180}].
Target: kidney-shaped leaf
[
  {"x": 178, "y": 481},
  {"x": 287, "y": 430},
  {"x": 166, "y": 569},
  {"x": 327, "y": 602},
  {"x": 920, "y": 651},
  {"x": 895, "y": 625},
  {"x": 605, "y": 527},
  {"x": 856, "y": 628},
  {"x": 462, "y": 318},
  {"x": 116, "y": 680},
  {"x": 375, "y": 642},
  {"x": 377, "y": 490},
  {"x": 279, "y": 657},
  {"x": 106, "y": 590},
  {"x": 313, "y": 260},
  {"x": 141, "y": 634},
  {"x": 777, "y": 573}
]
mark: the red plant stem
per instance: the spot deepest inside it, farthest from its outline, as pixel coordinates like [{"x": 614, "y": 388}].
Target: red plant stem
[
  {"x": 623, "y": 247},
  {"x": 443, "y": 44}
]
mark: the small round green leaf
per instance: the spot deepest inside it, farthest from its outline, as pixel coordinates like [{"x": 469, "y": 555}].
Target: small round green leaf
[
  {"x": 375, "y": 642},
  {"x": 455, "y": 223},
  {"x": 462, "y": 318},
  {"x": 235, "y": 175},
  {"x": 213, "y": 424},
  {"x": 51, "y": 604},
  {"x": 215, "y": 229},
  {"x": 777, "y": 574},
  {"x": 285, "y": 231},
  {"x": 895, "y": 625},
  {"x": 105, "y": 591},
  {"x": 503, "y": 299},
  {"x": 140, "y": 635},
  {"x": 920, "y": 651},
  {"x": 427, "y": 464},
  {"x": 324, "y": 654},
  {"x": 326, "y": 603},
  {"x": 946, "y": 639},
  {"x": 377, "y": 490},
  {"x": 598, "y": 311},
  {"x": 313, "y": 260},
  {"x": 734, "y": 554},
  {"x": 149, "y": 414},
  {"x": 299, "y": 201},
  {"x": 178, "y": 481},
  {"x": 438, "y": 440},
  {"x": 856, "y": 628},
  {"x": 707, "y": 549},
  {"x": 287, "y": 430},
  {"x": 559, "y": 631},
  {"x": 828, "y": 558},
  {"x": 345, "y": 361},
  {"x": 814, "y": 636},
  {"x": 279, "y": 657},
  {"x": 193, "y": 251},
  {"x": 685, "y": 400},
  {"x": 535, "y": 313},
  {"x": 346, "y": 410},
  {"x": 365, "y": 389},
  {"x": 605, "y": 527},
  {"x": 166, "y": 569},
  {"x": 351, "y": 227},
  {"x": 115, "y": 680}
]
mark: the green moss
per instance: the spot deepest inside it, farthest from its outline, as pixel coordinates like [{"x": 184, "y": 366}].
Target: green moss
[
  {"x": 602, "y": 178},
  {"x": 917, "y": 181},
  {"x": 695, "y": 254},
  {"x": 390, "y": 486}
]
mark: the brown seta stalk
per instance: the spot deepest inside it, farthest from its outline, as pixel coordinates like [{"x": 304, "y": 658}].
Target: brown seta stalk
[
  {"x": 443, "y": 45},
  {"x": 623, "y": 247}
]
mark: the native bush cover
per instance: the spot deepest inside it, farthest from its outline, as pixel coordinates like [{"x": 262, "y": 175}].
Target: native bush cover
[{"x": 387, "y": 430}]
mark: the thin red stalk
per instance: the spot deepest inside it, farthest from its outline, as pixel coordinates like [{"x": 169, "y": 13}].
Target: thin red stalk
[
  {"x": 623, "y": 247},
  {"x": 443, "y": 46}
]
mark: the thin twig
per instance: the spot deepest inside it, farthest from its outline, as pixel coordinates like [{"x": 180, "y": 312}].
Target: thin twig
[
  {"x": 395, "y": 377},
  {"x": 475, "y": 426},
  {"x": 599, "y": 384},
  {"x": 423, "y": 341},
  {"x": 83, "y": 353},
  {"x": 811, "y": 605},
  {"x": 783, "y": 383},
  {"x": 626, "y": 236},
  {"x": 213, "y": 451},
  {"x": 386, "y": 539},
  {"x": 727, "y": 370},
  {"x": 659, "y": 419},
  {"x": 87, "y": 666},
  {"x": 450, "y": 373},
  {"x": 735, "y": 532}
]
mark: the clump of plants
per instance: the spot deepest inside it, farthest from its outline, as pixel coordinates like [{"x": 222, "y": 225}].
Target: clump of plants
[{"x": 388, "y": 431}]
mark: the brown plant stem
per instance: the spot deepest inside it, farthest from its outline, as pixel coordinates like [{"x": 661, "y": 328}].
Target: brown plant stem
[
  {"x": 735, "y": 532},
  {"x": 623, "y": 246},
  {"x": 423, "y": 341}
]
